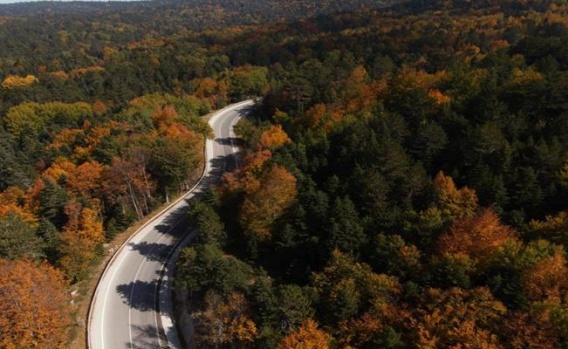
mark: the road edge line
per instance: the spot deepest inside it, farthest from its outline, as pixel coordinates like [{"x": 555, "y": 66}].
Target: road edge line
[{"x": 110, "y": 262}]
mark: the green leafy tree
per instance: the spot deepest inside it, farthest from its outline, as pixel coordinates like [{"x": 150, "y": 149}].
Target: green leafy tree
[
  {"x": 18, "y": 239},
  {"x": 52, "y": 201},
  {"x": 452, "y": 270},
  {"x": 171, "y": 162},
  {"x": 346, "y": 287},
  {"x": 393, "y": 256},
  {"x": 208, "y": 223},
  {"x": 205, "y": 268},
  {"x": 248, "y": 81},
  {"x": 345, "y": 231},
  {"x": 294, "y": 307}
]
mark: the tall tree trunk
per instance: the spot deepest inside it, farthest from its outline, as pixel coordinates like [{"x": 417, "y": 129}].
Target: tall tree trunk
[{"x": 134, "y": 200}]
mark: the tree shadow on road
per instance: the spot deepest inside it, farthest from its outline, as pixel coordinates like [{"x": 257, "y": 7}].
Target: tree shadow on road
[
  {"x": 147, "y": 337},
  {"x": 140, "y": 295},
  {"x": 233, "y": 141},
  {"x": 151, "y": 250}
]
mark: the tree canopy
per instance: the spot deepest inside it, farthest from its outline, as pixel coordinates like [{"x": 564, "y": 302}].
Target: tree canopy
[{"x": 402, "y": 181}]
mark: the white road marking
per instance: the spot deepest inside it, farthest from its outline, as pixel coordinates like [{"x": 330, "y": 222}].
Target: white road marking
[{"x": 122, "y": 252}]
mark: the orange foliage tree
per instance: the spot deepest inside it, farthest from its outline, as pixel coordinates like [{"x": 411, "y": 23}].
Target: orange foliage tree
[
  {"x": 164, "y": 117},
  {"x": 365, "y": 330},
  {"x": 308, "y": 336},
  {"x": 456, "y": 318},
  {"x": 478, "y": 237},
  {"x": 274, "y": 137},
  {"x": 225, "y": 321},
  {"x": 359, "y": 93},
  {"x": 358, "y": 331},
  {"x": 59, "y": 170},
  {"x": 533, "y": 328},
  {"x": 86, "y": 180},
  {"x": 315, "y": 117},
  {"x": 246, "y": 177},
  {"x": 34, "y": 310},
  {"x": 13, "y": 201},
  {"x": 80, "y": 237},
  {"x": 547, "y": 280},
  {"x": 262, "y": 207}
]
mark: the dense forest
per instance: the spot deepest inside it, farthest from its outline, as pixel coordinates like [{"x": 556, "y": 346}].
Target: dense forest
[
  {"x": 403, "y": 182},
  {"x": 101, "y": 109},
  {"x": 404, "y": 185}
]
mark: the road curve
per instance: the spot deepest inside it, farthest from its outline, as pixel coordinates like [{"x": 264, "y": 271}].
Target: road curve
[{"x": 126, "y": 309}]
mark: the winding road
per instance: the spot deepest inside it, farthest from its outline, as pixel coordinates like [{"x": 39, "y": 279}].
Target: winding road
[{"x": 131, "y": 305}]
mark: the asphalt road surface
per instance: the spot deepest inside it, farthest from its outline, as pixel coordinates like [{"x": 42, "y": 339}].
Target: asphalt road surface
[{"x": 127, "y": 310}]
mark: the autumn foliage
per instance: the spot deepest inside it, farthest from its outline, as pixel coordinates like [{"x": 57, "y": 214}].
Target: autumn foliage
[
  {"x": 274, "y": 137},
  {"x": 265, "y": 205},
  {"x": 14, "y": 201},
  {"x": 308, "y": 336},
  {"x": 13, "y": 81},
  {"x": 547, "y": 280},
  {"x": 454, "y": 202},
  {"x": 456, "y": 318},
  {"x": 79, "y": 240},
  {"x": 225, "y": 321},
  {"x": 34, "y": 310},
  {"x": 425, "y": 140},
  {"x": 532, "y": 329},
  {"x": 478, "y": 237}
]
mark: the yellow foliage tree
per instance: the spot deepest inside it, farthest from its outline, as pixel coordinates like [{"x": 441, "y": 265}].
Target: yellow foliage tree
[
  {"x": 554, "y": 228},
  {"x": 79, "y": 239},
  {"x": 32, "y": 116},
  {"x": 261, "y": 208},
  {"x": 59, "y": 170},
  {"x": 12, "y": 81},
  {"x": 454, "y": 202},
  {"x": 274, "y": 137},
  {"x": 345, "y": 287}
]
